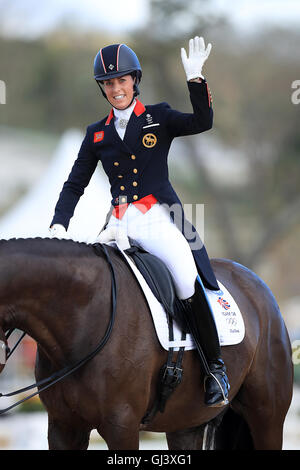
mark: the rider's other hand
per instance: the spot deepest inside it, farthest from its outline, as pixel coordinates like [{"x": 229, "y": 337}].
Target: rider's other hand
[{"x": 57, "y": 231}]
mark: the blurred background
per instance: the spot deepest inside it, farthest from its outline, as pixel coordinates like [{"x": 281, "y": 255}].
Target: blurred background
[{"x": 245, "y": 170}]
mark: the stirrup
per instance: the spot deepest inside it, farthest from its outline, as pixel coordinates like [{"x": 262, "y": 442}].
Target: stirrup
[{"x": 223, "y": 396}]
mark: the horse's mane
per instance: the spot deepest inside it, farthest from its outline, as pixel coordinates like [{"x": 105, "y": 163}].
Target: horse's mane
[
  {"x": 35, "y": 239},
  {"x": 46, "y": 246}
]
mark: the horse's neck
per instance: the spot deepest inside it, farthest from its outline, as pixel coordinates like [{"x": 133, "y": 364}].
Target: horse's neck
[
  {"x": 49, "y": 297},
  {"x": 29, "y": 303}
]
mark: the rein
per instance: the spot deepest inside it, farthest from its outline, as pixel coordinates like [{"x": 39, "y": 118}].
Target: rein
[
  {"x": 66, "y": 371},
  {"x": 8, "y": 350}
]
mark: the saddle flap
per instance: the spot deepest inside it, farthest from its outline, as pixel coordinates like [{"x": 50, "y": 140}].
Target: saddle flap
[{"x": 156, "y": 275}]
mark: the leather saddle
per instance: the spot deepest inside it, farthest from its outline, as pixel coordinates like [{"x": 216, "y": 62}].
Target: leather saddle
[{"x": 159, "y": 280}]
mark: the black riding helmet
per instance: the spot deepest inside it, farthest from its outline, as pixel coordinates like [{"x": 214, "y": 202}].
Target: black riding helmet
[{"x": 115, "y": 61}]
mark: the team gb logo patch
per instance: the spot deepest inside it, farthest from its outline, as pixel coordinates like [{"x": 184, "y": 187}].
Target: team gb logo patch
[
  {"x": 223, "y": 303},
  {"x": 98, "y": 136}
]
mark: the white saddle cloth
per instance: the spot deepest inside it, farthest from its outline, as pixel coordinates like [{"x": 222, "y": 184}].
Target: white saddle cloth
[{"x": 229, "y": 321}]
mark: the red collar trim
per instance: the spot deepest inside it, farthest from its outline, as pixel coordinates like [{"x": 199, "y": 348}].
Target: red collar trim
[
  {"x": 110, "y": 116},
  {"x": 138, "y": 110}
]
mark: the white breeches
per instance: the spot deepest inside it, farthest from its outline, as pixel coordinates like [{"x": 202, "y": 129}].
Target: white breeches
[{"x": 155, "y": 232}]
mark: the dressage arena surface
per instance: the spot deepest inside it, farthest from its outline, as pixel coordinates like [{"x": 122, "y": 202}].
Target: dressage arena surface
[{"x": 28, "y": 431}]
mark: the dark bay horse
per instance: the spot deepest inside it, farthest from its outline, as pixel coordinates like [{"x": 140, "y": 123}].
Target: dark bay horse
[{"x": 59, "y": 292}]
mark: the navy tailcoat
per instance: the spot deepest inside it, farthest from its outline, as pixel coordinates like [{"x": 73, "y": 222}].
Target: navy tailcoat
[{"x": 137, "y": 165}]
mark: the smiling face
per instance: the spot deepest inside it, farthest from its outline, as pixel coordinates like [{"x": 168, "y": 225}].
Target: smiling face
[{"x": 119, "y": 91}]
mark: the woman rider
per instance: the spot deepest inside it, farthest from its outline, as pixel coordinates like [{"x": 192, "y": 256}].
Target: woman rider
[{"x": 132, "y": 143}]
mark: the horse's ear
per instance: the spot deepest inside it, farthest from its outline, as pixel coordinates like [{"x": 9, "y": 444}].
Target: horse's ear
[{"x": 3, "y": 349}]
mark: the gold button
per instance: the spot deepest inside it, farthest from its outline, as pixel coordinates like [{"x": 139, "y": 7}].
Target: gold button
[
  {"x": 135, "y": 197},
  {"x": 123, "y": 199},
  {"x": 122, "y": 188},
  {"x": 134, "y": 183},
  {"x": 116, "y": 163},
  {"x": 134, "y": 170},
  {"x": 133, "y": 157},
  {"x": 120, "y": 176}
]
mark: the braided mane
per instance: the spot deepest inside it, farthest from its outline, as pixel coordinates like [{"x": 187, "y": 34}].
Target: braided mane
[{"x": 39, "y": 245}]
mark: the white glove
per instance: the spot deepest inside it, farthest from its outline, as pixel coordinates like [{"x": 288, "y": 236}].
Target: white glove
[
  {"x": 114, "y": 233},
  {"x": 57, "y": 231},
  {"x": 197, "y": 56}
]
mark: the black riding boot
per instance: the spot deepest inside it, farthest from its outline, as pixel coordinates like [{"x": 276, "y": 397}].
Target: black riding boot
[{"x": 201, "y": 323}]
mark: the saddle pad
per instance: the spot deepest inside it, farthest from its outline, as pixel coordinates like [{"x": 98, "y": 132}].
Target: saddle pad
[{"x": 228, "y": 318}]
